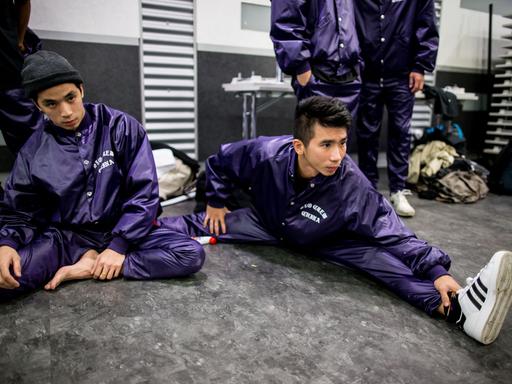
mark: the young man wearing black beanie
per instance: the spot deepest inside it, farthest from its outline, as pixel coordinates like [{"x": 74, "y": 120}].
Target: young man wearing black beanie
[{"x": 82, "y": 199}]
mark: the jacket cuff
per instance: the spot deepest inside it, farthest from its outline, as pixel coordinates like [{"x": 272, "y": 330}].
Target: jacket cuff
[
  {"x": 418, "y": 69},
  {"x": 10, "y": 243},
  {"x": 304, "y": 67},
  {"x": 436, "y": 272},
  {"x": 119, "y": 245},
  {"x": 216, "y": 203}
]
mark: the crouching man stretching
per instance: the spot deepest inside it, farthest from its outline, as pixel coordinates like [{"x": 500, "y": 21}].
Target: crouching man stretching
[
  {"x": 308, "y": 195},
  {"x": 82, "y": 199}
]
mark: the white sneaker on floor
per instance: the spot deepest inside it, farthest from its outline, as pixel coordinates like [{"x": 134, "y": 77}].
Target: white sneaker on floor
[
  {"x": 485, "y": 301},
  {"x": 400, "y": 203}
]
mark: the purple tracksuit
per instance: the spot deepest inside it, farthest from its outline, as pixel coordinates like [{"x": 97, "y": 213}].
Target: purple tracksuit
[
  {"x": 93, "y": 188},
  {"x": 397, "y": 37},
  {"x": 19, "y": 117},
  {"x": 318, "y": 35},
  {"x": 340, "y": 218}
]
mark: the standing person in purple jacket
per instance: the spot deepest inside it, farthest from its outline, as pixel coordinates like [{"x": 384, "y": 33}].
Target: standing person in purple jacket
[
  {"x": 309, "y": 196},
  {"x": 315, "y": 41},
  {"x": 399, "y": 43},
  {"x": 82, "y": 199},
  {"x": 19, "y": 117}
]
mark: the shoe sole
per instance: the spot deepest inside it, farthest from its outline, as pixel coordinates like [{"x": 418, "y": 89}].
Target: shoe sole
[
  {"x": 402, "y": 213},
  {"x": 499, "y": 311},
  {"x": 406, "y": 214}
]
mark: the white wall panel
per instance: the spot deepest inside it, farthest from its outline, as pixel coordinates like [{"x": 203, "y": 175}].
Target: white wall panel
[
  {"x": 115, "y": 18},
  {"x": 219, "y": 28},
  {"x": 464, "y": 37}
]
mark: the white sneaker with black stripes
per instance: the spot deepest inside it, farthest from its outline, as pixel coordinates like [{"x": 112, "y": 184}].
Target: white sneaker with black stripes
[{"x": 486, "y": 298}]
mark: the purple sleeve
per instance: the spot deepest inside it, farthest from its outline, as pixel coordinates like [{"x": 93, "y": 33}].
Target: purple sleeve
[
  {"x": 435, "y": 272},
  {"x": 290, "y": 35},
  {"x": 371, "y": 216},
  {"x": 22, "y": 209},
  {"x": 119, "y": 245},
  {"x": 427, "y": 38},
  {"x": 140, "y": 196},
  {"x": 233, "y": 165}
]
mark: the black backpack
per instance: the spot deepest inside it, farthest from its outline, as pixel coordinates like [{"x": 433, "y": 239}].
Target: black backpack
[{"x": 445, "y": 103}]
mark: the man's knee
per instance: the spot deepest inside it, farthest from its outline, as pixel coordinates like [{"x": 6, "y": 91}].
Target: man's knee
[
  {"x": 192, "y": 257},
  {"x": 182, "y": 258}
]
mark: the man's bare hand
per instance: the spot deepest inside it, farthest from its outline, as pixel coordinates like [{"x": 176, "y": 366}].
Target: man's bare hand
[
  {"x": 214, "y": 219},
  {"x": 108, "y": 265},
  {"x": 9, "y": 256},
  {"x": 304, "y": 78},
  {"x": 446, "y": 285},
  {"x": 416, "y": 82}
]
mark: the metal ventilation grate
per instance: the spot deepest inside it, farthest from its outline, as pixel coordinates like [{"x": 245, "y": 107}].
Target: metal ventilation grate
[
  {"x": 169, "y": 73},
  {"x": 499, "y": 131}
]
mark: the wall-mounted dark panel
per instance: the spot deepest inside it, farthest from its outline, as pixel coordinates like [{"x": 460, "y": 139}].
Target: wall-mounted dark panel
[
  {"x": 220, "y": 113},
  {"x": 110, "y": 72}
]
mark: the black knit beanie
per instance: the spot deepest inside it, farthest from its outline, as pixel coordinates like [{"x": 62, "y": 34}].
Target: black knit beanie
[{"x": 46, "y": 69}]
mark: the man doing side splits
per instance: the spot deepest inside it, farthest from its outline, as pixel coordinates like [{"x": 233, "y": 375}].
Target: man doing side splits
[{"x": 307, "y": 194}]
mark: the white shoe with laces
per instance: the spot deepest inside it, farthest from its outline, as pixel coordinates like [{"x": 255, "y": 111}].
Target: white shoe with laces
[
  {"x": 400, "y": 203},
  {"x": 485, "y": 300}
]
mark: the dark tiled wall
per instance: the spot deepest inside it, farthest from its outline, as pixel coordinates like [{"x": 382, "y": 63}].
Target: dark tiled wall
[
  {"x": 220, "y": 113},
  {"x": 110, "y": 72}
]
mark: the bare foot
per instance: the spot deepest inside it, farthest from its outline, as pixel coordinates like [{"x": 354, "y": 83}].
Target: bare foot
[{"x": 78, "y": 271}]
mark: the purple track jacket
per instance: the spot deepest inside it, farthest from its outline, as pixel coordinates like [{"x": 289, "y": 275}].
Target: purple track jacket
[
  {"x": 100, "y": 178},
  {"x": 396, "y": 37},
  {"x": 340, "y": 207},
  {"x": 315, "y": 33}
]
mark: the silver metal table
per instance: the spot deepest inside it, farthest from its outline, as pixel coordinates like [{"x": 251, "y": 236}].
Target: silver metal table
[{"x": 253, "y": 88}]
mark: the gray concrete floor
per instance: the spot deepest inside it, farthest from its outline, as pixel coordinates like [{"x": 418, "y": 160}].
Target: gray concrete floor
[{"x": 258, "y": 314}]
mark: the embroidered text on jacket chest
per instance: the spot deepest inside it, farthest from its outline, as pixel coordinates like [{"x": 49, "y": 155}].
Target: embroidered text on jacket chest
[
  {"x": 313, "y": 212},
  {"x": 104, "y": 161}
]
